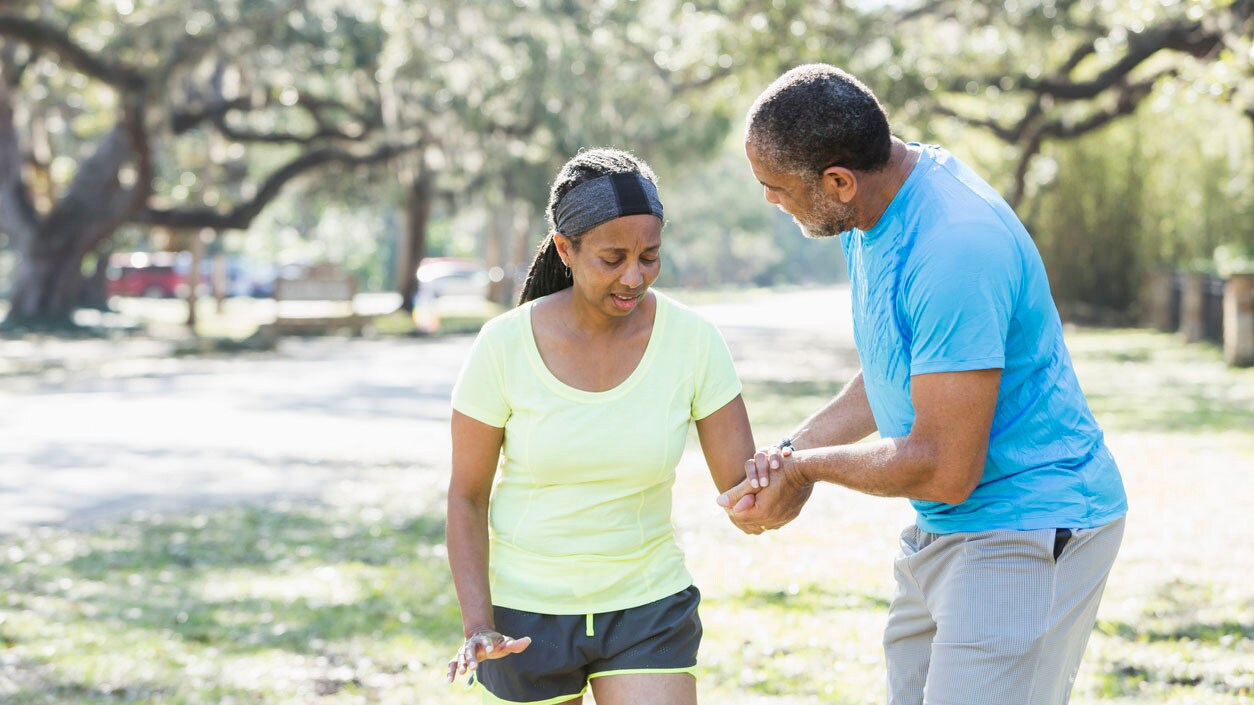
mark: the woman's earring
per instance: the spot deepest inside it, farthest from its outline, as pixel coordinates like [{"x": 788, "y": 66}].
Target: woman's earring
[{"x": 567, "y": 266}]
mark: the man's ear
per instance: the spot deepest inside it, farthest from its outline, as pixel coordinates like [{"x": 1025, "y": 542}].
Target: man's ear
[{"x": 840, "y": 183}]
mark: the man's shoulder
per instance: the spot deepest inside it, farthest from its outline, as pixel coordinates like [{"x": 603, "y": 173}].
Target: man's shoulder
[{"x": 950, "y": 216}]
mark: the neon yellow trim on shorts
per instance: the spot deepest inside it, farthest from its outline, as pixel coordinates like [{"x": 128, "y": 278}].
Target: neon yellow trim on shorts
[
  {"x": 490, "y": 699},
  {"x": 588, "y": 631},
  {"x": 691, "y": 670}
]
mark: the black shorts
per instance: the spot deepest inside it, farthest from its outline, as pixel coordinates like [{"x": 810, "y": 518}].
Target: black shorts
[{"x": 567, "y": 650}]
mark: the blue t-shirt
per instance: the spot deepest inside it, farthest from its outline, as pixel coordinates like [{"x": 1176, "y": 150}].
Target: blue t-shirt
[{"x": 948, "y": 280}]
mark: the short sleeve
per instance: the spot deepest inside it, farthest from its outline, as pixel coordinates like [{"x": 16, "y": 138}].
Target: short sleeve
[
  {"x": 480, "y": 392},
  {"x": 959, "y": 299},
  {"x": 717, "y": 382}
]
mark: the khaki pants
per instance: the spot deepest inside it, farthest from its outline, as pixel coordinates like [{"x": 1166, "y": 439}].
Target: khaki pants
[{"x": 992, "y": 617}]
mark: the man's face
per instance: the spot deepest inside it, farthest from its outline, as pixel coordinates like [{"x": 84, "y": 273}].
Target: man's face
[{"x": 815, "y": 212}]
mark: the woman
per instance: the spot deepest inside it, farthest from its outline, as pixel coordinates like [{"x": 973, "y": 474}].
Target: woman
[{"x": 584, "y": 395}]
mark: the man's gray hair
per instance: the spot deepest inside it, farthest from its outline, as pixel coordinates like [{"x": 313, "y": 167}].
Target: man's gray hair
[{"x": 816, "y": 116}]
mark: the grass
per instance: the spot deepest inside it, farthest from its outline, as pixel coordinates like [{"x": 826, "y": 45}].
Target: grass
[{"x": 344, "y": 601}]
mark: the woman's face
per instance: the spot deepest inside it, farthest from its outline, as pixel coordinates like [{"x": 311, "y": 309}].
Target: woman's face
[{"x": 615, "y": 263}]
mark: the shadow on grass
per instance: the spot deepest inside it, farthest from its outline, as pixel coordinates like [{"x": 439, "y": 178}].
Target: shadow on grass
[
  {"x": 1205, "y": 632},
  {"x": 808, "y": 598},
  {"x": 317, "y": 584},
  {"x": 1155, "y": 653},
  {"x": 1184, "y": 410},
  {"x": 1149, "y": 382},
  {"x": 1171, "y": 615},
  {"x": 1125, "y": 679}
]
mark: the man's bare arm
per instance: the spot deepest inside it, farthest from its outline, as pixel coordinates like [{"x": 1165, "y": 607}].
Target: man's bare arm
[
  {"x": 845, "y": 419},
  {"x": 941, "y": 459}
]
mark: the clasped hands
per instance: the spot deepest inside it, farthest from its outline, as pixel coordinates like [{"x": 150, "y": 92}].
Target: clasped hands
[{"x": 771, "y": 495}]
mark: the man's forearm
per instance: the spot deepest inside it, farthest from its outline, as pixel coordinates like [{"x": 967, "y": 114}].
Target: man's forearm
[
  {"x": 846, "y": 419},
  {"x": 891, "y": 467}
]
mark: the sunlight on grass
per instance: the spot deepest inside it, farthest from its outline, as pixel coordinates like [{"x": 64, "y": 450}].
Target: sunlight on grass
[{"x": 349, "y": 600}]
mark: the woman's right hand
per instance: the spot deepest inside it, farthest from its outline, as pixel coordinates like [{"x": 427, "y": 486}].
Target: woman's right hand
[{"x": 482, "y": 645}]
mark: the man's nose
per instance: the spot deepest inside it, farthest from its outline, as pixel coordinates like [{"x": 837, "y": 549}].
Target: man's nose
[{"x": 770, "y": 196}]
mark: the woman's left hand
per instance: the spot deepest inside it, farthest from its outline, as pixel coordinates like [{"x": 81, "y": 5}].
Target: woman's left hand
[{"x": 481, "y": 646}]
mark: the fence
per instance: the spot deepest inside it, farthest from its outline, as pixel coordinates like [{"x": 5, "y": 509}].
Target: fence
[
  {"x": 1204, "y": 307},
  {"x": 1213, "y": 310}
]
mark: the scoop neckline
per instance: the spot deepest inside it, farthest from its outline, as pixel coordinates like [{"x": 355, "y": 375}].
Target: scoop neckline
[{"x": 576, "y": 394}]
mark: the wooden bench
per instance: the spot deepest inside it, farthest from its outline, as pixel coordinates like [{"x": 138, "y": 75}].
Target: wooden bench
[{"x": 319, "y": 304}]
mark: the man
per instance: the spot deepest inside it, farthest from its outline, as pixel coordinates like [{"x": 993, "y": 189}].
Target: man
[{"x": 967, "y": 379}]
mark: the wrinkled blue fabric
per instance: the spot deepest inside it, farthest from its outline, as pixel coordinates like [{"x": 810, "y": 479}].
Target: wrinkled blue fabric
[{"x": 949, "y": 280}]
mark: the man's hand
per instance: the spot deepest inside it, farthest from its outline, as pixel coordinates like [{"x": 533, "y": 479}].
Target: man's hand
[{"x": 771, "y": 495}]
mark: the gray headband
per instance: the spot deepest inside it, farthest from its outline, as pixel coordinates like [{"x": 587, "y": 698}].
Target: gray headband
[{"x": 603, "y": 199}]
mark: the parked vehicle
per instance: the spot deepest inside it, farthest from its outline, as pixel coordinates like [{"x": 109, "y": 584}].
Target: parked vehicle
[
  {"x": 442, "y": 281},
  {"x": 452, "y": 276},
  {"x": 164, "y": 275},
  {"x": 157, "y": 275}
]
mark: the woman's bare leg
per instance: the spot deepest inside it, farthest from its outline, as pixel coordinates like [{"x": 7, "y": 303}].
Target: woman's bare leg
[{"x": 652, "y": 688}]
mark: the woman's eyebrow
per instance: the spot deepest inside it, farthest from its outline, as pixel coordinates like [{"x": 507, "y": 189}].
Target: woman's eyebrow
[{"x": 624, "y": 250}]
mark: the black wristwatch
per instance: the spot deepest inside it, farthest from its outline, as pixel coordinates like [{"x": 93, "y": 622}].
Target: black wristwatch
[{"x": 785, "y": 442}]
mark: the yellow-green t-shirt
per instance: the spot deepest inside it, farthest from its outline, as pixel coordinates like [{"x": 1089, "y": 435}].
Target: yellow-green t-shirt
[{"x": 580, "y": 517}]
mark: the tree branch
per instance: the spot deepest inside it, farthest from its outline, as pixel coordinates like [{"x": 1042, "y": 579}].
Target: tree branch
[
  {"x": 39, "y": 35},
  {"x": 1188, "y": 37},
  {"x": 1011, "y": 134},
  {"x": 239, "y": 217},
  {"x": 1126, "y": 102},
  {"x": 931, "y": 8},
  {"x": 183, "y": 120},
  {"x": 254, "y": 137},
  {"x": 217, "y": 111},
  {"x": 192, "y": 48}
]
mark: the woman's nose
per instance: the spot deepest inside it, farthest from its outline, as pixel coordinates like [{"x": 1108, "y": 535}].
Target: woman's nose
[{"x": 632, "y": 277}]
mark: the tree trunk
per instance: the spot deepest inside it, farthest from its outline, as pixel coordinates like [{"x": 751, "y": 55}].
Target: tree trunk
[
  {"x": 94, "y": 292},
  {"x": 413, "y": 246},
  {"x": 500, "y": 227},
  {"x": 46, "y": 287},
  {"x": 51, "y": 249}
]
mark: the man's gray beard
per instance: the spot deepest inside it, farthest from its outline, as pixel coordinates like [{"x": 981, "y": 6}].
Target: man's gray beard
[
  {"x": 813, "y": 234},
  {"x": 831, "y": 219}
]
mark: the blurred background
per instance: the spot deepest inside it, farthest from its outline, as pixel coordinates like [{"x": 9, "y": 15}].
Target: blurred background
[{"x": 244, "y": 246}]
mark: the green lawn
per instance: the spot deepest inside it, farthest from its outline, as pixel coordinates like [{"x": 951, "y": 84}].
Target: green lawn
[{"x": 341, "y": 601}]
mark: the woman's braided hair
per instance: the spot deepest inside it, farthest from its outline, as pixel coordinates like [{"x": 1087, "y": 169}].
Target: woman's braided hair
[{"x": 547, "y": 274}]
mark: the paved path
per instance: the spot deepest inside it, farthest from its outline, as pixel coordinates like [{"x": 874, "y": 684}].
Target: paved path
[{"x": 96, "y": 430}]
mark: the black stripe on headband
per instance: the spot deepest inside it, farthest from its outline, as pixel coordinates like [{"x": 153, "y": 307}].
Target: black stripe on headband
[
  {"x": 631, "y": 197},
  {"x": 603, "y": 199}
]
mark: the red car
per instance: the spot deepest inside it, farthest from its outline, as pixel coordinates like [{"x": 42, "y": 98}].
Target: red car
[{"x": 160, "y": 275}]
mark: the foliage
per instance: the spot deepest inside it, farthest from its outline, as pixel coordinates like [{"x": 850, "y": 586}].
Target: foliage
[
  {"x": 721, "y": 231},
  {"x": 248, "y": 102},
  {"x": 1114, "y": 218}
]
